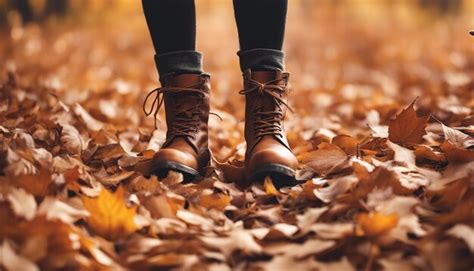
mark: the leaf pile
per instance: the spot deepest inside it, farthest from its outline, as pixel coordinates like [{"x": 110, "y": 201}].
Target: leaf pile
[{"x": 386, "y": 180}]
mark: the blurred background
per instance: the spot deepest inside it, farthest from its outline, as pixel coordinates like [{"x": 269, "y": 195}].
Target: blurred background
[
  {"x": 347, "y": 58},
  {"x": 38, "y": 10}
]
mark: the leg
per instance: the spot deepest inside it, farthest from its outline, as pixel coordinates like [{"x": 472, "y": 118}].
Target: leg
[
  {"x": 261, "y": 27},
  {"x": 184, "y": 91},
  {"x": 172, "y": 25}
]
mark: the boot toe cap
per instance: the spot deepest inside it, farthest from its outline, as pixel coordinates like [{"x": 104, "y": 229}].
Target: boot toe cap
[
  {"x": 277, "y": 155},
  {"x": 168, "y": 155}
]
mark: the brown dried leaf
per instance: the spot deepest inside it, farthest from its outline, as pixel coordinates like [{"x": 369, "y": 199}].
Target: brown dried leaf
[
  {"x": 457, "y": 138},
  {"x": 326, "y": 159},
  {"x": 424, "y": 153},
  {"x": 38, "y": 185},
  {"x": 407, "y": 128},
  {"x": 71, "y": 139},
  {"x": 346, "y": 143},
  {"x": 455, "y": 154}
]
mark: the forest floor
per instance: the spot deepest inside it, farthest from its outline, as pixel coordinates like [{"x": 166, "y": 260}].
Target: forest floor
[{"x": 383, "y": 130}]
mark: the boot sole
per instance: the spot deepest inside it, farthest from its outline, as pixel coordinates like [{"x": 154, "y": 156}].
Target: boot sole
[
  {"x": 281, "y": 175},
  {"x": 161, "y": 170}
]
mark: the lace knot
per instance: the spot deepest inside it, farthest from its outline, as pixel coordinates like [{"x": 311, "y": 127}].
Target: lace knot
[
  {"x": 269, "y": 122},
  {"x": 186, "y": 120}
]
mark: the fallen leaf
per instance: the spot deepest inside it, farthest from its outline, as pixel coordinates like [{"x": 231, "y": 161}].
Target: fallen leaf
[
  {"x": 407, "y": 128},
  {"x": 71, "y": 139},
  {"x": 455, "y": 154},
  {"x": 375, "y": 224},
  {"x": 12, "y": 261},
  {"x": 109, "y": 216},
  {"x": 209, "y": 199},
  {"x": 425, "y": 153},
  {"x": 269, "y": 187},
  {"x": 299, "y": 251},
  {"x": 326, "y": 159},
  {"x": 335, "y": 230},
  {"x": 37, "y": 184},
  {"x": 17, "y": 165},
  {"x": 53, "y": 208},
  {"x": 163, "y": 205},
  {"x": 465, "y": 233},
  {"x": 457, "y": 138},
  {"x": 87, "y": 119},
  {"x": 346, "y": 143},
  {"x": 277, "y": 231},
  {"x": 335, "y": 188},
  {"x": 238, "y": 239},
  {"x": 22, "y": 203},
  {"x": 449, "y": 196},
  {"x": 305, "y": 220},
  {"x": 195, "y": 219}
]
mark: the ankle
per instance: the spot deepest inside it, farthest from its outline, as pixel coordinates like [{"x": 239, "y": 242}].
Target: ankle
[
  {"x": 262, "y": 59},
  {"x": 179, "y": 62}
]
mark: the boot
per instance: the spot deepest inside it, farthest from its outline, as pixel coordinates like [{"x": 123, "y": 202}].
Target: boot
[
  {"x": 268, "y": 152},
  {"x": 186, "y": 100}
]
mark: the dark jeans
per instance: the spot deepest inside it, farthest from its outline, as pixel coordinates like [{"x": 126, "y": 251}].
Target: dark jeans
[{"x": 260, "y": 24}]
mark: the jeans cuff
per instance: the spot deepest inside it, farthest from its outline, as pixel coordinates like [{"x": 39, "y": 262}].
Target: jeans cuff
[
  {"x": 262, "y": 59},
  {"x": 179, "y": 62}
]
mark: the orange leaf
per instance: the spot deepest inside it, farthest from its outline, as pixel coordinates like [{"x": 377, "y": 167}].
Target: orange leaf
[
  {"x": 269, "y": 187},
  {"x": 375, "y": 223},
  {"x": 407, "y": 127},
  {"x": 110, "y": 217},
  {"x": 71, "y": 176},
  {"x": 308, "y": 190},
  {"x": 214, "y": 200},
  {"x": 426, "y": 153}
]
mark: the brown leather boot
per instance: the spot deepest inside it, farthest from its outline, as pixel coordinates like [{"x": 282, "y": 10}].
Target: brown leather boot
[
  {"x": 268, "y": 152},
  {"x": 186, "y": 99}
]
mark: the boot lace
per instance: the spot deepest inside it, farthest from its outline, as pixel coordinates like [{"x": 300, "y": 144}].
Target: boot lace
[
  {"x": 268, "y": 122},
  {"x": 186, "y": 122}
]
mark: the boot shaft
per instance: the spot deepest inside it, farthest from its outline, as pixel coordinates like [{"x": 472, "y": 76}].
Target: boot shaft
[
  {"x": 186, "y": 104},
  {"x": 266, "y": 94}
]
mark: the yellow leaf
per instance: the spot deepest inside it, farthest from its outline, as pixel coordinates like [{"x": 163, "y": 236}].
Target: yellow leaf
[
  {"x": 109, "y": 216},
  {"x": 375, "y": 223},
  {"x": 214, "y": 200},
  {"x": 270, "y": 188}
]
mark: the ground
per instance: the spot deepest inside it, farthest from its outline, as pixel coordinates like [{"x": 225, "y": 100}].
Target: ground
[{"x": 383, "y": 129}]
